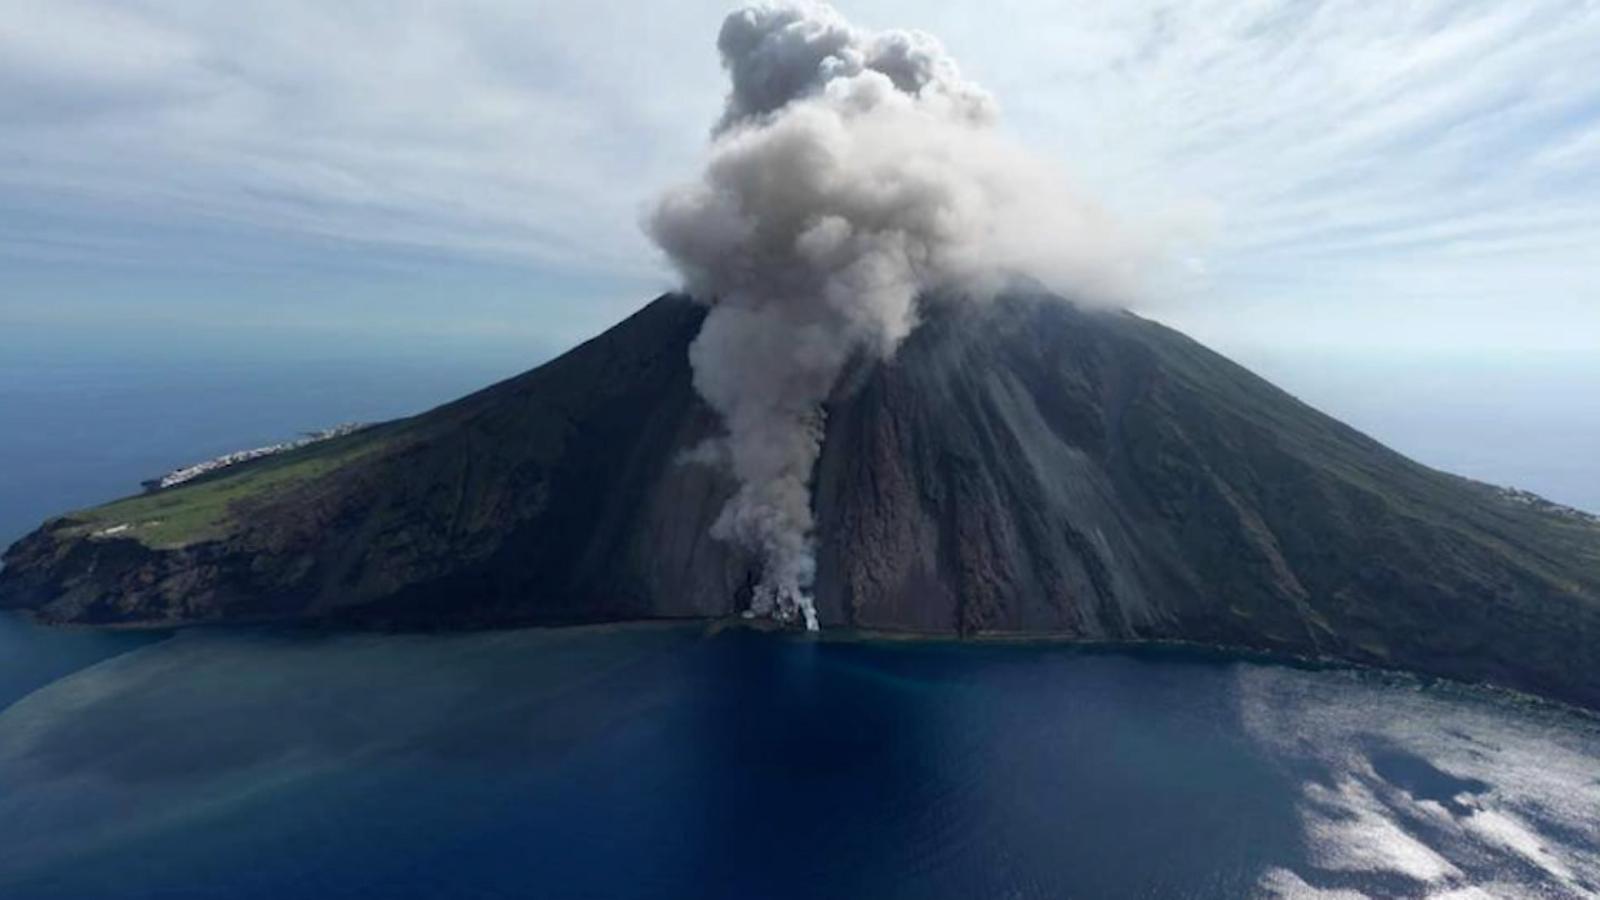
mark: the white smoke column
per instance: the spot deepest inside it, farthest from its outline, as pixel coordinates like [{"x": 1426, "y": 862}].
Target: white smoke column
[{"x": 850, "y": 173}]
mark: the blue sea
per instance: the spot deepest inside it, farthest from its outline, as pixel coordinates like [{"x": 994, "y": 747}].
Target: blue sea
[
  {"x": 673, "y": 761},
  {"x": 682, "y": 761}
]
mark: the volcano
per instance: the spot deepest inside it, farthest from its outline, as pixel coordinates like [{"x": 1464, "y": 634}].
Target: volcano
[{"x": 1021, "y": 467}]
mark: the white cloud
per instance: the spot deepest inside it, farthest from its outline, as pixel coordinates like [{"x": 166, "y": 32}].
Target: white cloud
[
  {"x": 1365, "y": 164},
  {"x": 482, "y": 128}
]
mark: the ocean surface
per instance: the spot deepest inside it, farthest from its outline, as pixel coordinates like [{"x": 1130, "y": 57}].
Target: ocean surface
[{"x": 674, "y": 761}]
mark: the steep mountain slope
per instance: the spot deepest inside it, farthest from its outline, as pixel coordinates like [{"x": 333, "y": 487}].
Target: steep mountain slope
[{"x": 1026, "y": 467}]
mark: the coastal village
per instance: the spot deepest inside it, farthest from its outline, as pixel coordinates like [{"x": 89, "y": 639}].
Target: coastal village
[{"x": 191, "y": 472}]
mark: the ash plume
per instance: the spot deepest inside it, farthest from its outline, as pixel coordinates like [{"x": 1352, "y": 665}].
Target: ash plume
[{"x": 850, "y": 173}]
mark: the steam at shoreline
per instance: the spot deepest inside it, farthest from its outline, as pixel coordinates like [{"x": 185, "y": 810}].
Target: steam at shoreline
[{"x": 850, "y": 173}]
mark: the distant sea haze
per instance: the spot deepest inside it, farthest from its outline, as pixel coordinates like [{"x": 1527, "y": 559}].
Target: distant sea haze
[{"x": 1522, "y": 420}]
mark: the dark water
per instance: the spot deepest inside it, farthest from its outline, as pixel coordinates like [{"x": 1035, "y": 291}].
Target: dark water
[
  {"x": 32, "y": 656},
  {"x": 669, "y": 762}
]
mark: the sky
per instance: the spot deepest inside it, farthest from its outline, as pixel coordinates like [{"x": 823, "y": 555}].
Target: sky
[{"x": 1383, "y": 206}]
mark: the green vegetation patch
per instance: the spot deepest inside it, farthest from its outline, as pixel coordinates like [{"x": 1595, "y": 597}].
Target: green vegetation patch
[{"x": 203, "y": 509}]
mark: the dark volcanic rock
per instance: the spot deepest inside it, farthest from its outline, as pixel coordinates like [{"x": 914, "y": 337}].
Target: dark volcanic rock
[{"x": 1024, "y": 467}]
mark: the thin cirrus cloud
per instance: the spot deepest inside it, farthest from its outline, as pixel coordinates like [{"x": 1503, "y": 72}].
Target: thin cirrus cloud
[
  {"x": 1418, "y": 171},
  {"x": 1362, "y": 164},
  {"x": 473, "y": 130}
]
